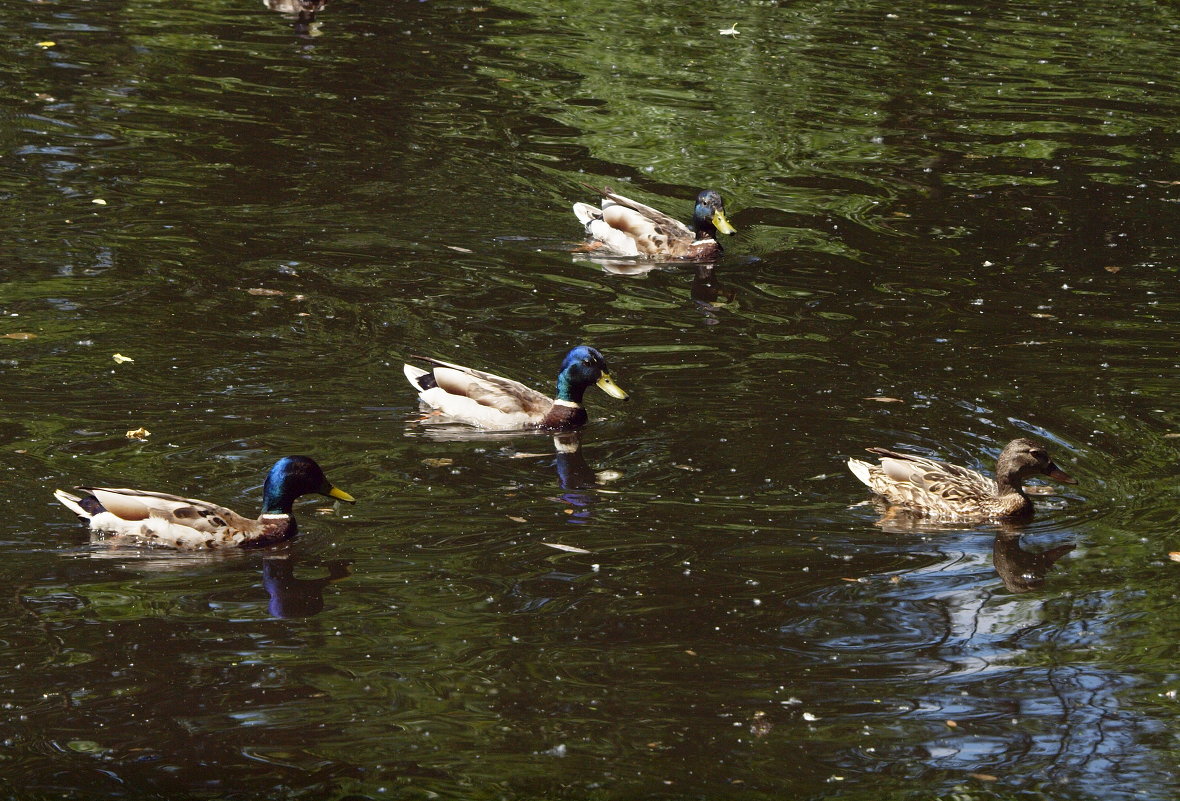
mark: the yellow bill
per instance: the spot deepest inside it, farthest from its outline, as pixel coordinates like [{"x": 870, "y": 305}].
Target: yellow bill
[
  {"x": 336, "y": 492},
  {"x": 721, "y": 223},
  {"x": 608, "y": 385}
]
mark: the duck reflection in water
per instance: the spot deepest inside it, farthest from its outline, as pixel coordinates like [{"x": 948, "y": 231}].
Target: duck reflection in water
[
  {"x": 303, "y": 10},
  {"x": 1021, "y": 569},
  {"x": 295, "y": 597},
  {"x": 573, "y": 474},
  {"x": 709, "y": 293}
]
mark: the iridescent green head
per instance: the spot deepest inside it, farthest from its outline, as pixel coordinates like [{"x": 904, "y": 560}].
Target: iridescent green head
[
  {"x": 582, "y": 367},
  {"x": 292, "y": 477},
  {"x": 708, "y": 218}
]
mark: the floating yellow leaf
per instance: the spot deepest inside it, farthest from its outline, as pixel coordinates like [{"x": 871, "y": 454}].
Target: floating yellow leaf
[
  {"x": 18, "y": 335},
  {"x": 983, "y": 777},
  {"x": 138, "y": 433},
  {"x": 99, "y": 201},
  {"x": 885, "y": 399},
  {"x": 438, "y": 462},
  {"x": 458, "y": 249},
  {"x": 260, "y": 291},
  {"x": 516, "y": 519},
  {"x": 952, "y": 724},
  {"x": 1174, "y": 556},
  {"x": 120, "y": 358},
  {"x": 46, "y": 44}
]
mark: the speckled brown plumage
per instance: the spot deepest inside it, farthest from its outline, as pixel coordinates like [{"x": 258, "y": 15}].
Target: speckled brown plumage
[{"x": 949, "y": 492}]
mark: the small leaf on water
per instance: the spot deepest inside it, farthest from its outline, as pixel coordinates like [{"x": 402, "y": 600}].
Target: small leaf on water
[
  {"x": 18, "y": 335},
  {"x": 983, "y": 777},
  {"x": 1174, "y": 556},
  {"x": 260, "y": 291},
  {"x": 99, "y": 201},
  {"x": 885, "y": 399},
  {"x": 516, "y": 519},
  {"x": 1044, "y": 316},
  {"x": 138, "y": 433},
  {"x": 1171, "y": 436},
  {"x": 120, "y": 358},
  {"x": 438, "y": 462},
  {"x": 952, "y": 724},
  {"x": 458, "y": 249},
  {"x": 1112, "y": 268},
  {"x": 569, "y": 548},
  {"x": 46, "y": 44}
]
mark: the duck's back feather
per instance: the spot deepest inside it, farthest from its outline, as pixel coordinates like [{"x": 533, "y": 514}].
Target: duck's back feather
[
  {"x": 928, "y": 485},
  {"x": 626, "y": 227},
  {"x": 478, "y": 398}
]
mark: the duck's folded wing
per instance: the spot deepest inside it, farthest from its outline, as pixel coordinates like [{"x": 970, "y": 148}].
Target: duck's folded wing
[
  {"x": 488, "y": 389},
  {"x": 663, "y": 223},
  {"x": 131, "y": 504},
  {"x": 939, "y": 478}
]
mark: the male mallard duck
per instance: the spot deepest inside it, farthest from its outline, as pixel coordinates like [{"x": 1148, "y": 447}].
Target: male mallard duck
[
  {"x": 488, "y": 401},
  {"x": 624, "y": 227},
  {"x": 946, "y": 491},
  {"x": 156, "y": 518}
]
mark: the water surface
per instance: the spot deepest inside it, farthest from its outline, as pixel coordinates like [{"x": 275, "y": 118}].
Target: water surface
[{"x": 956, "y": 226}]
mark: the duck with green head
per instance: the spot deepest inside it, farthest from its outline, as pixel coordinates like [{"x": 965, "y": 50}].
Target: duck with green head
[
  {"x": 140, "y": 517},
  {"x": 466, "y": 395},
  {"x": 628, "y": 228}
]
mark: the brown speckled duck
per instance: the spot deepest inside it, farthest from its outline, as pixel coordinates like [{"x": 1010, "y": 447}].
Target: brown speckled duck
[
  {"x": 139, "y": 517},
  {"x": 625, "y": 227},
  {"x": 492, "y": 402},
  {"x": 949, "y": 492}
]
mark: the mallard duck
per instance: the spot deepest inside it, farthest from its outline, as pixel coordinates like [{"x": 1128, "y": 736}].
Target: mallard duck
[
  {"x": 137, "y": 517},
  {"x": 624, "y": 227},
  {"x": 946, "y": 491},
  {"x": 488, "y": 401}
]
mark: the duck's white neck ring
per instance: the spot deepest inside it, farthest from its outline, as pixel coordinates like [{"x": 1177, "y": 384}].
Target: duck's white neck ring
[
  {"x": 571, "y": 404},
  {"x": 273, "y": 516}
]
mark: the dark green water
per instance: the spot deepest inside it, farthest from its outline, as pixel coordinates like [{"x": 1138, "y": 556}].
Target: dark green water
[{"x": 970, "y": 208}]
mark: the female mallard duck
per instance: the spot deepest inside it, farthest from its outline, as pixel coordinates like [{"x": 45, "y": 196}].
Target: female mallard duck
[
  {"x": 137, "y": 517},
  {"x": 946, "y": 491},
  {"x": 624, "y": 227},
  {"x": 488, "y": 401}
]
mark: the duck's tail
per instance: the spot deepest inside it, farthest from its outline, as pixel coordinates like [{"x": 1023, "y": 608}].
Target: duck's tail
[
  {"x": 860, "y": 470},
  {"x": 77, "y": 504},
  {"x": 586, "y": 213}
]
